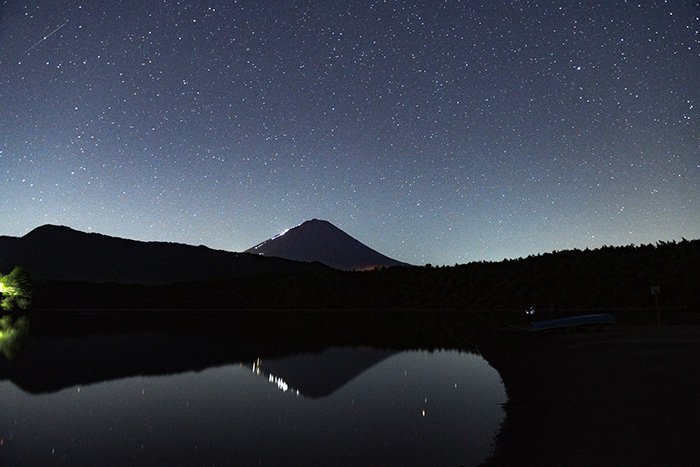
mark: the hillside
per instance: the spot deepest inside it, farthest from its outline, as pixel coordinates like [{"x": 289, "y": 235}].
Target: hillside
[{"x": 57, "y": 253}]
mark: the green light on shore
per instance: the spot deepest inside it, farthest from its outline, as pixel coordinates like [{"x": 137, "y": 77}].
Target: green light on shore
[
  {"x": 15, "y": 290},
  {"x": 11, "y": 291}
]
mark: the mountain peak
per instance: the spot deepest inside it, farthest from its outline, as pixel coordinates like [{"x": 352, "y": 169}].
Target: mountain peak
[
  {"x": 316, "y": 224},
  {"x": 51, "y": 230},
  {"x": 316, "y": 221},
  {"x": 52, "y": 227},
  {"x": 320, "y": 240}
]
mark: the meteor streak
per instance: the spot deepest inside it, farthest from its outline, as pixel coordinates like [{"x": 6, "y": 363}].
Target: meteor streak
[{"x": 44, "y": 38}]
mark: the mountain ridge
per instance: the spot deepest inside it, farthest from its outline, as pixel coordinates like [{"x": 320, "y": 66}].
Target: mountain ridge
[{"x": 52, "y": 252}]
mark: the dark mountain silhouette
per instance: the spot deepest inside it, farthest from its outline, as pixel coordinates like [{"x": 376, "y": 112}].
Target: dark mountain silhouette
[
  {"x": 319, "y": 240},
  {"x": 57, "y": 253}
]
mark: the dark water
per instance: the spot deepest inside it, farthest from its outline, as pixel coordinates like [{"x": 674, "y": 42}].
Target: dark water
[{"x": 218, "y": 398}]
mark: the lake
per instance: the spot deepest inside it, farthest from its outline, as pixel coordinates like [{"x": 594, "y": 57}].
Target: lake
[{"x": 251, "y": 392}]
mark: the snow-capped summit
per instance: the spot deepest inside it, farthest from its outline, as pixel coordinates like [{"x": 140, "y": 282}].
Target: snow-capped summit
[{"x": 319, "y": 240}]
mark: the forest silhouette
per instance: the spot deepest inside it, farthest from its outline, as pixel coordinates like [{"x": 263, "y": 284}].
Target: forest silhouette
[{"x": 609, "y": 278}]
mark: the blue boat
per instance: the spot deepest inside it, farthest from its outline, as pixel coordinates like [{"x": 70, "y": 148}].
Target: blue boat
[{"x": 573, "y": 322}]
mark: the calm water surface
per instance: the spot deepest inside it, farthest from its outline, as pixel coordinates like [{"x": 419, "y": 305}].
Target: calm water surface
[{"x": 343, "y": 405}]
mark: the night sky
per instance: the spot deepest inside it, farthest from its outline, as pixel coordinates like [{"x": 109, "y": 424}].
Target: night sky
[{"x": 436, "y": 131}]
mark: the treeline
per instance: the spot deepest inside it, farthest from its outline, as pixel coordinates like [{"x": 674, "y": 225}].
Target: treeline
[{"x": 609, "y": 278}]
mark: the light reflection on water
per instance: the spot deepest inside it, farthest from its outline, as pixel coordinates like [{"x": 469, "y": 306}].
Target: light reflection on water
[
  {"x": 397, "y": 408},
  {"x": 13, "y": 333}
]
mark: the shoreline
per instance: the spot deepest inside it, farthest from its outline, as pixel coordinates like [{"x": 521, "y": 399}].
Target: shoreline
[{"x": 627, "y": 395}]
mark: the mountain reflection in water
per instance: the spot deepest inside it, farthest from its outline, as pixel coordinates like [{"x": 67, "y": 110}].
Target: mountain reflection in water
[
  {"x": 318, "y": 375},
  {"x": 215, "y": 399}
]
